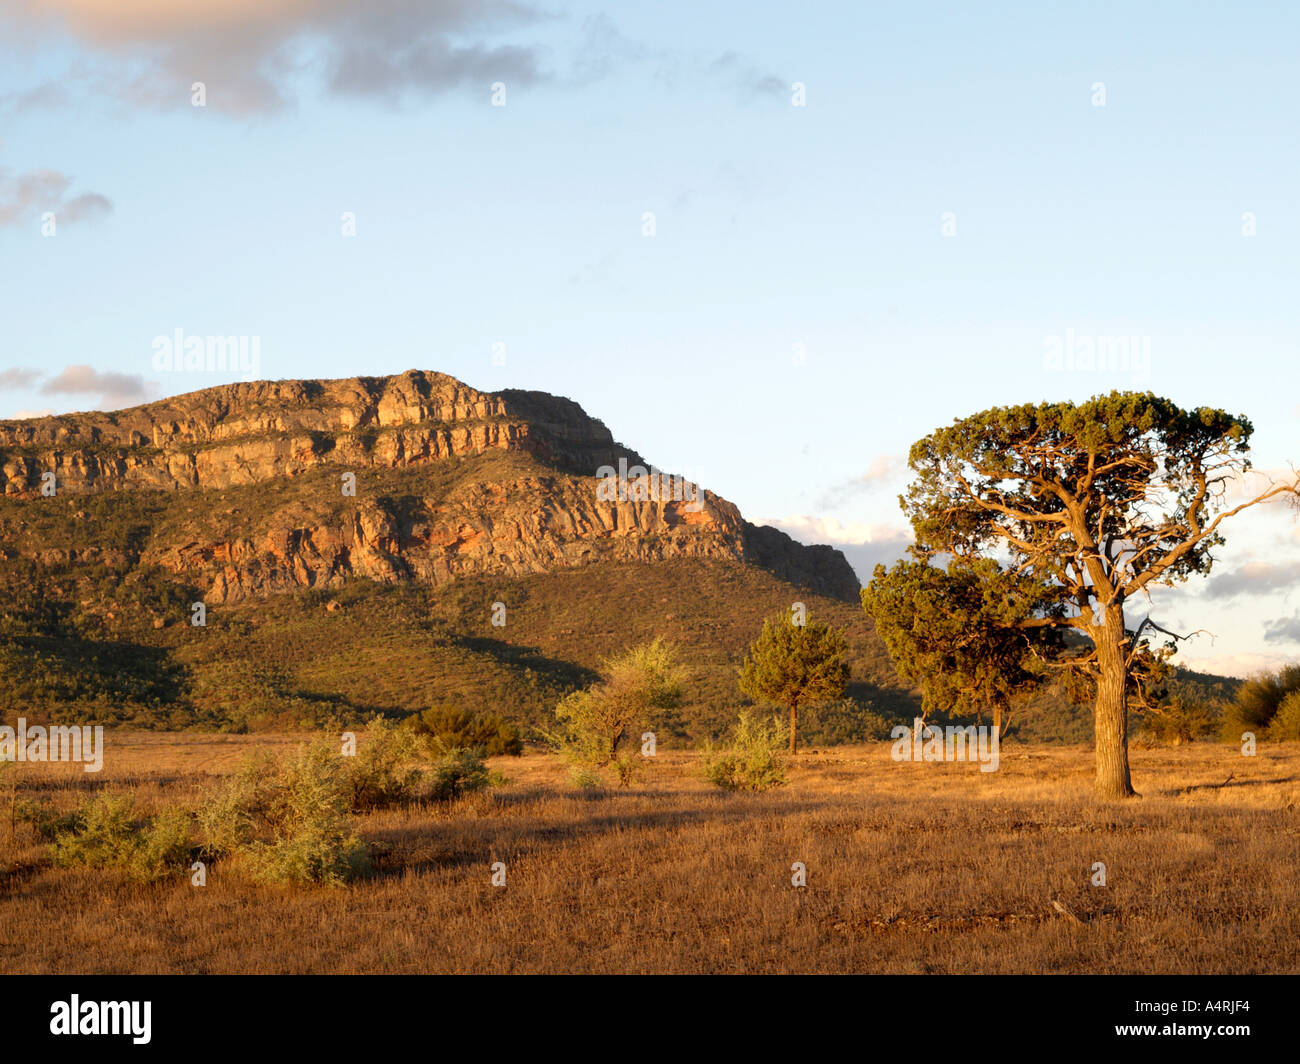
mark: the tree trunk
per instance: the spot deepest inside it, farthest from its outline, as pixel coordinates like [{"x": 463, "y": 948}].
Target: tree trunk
[
  {"x": 1111, "y": 711},
  {"x": 794, "y": 725}
]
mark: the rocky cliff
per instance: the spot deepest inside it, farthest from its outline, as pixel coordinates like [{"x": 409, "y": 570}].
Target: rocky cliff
[{"x": 273, "y": 486}]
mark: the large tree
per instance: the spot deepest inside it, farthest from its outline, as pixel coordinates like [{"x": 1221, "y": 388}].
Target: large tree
[
  {"x": 793, "y": 664},
  {"x": 1099, "y": 502}
]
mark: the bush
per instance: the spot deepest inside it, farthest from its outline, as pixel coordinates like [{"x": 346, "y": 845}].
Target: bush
[
  {"x": 105, "y": 833},
  {"x": 286, "y": 820},
  {"x": 383, "y": 773},
  {"x": 1258, "y": 701},
  {"x": 1286, "y": 722},
  {"x": 600, "y": 727},
  {"x": 753, "y": 761},
  {"x": 845, "y": 721},
  {"x": 587, "y": 780},
  {"x": 458, "y": 772},
  {"x": 452, "y": 727},
  {"x": 1179, "y": 720}
]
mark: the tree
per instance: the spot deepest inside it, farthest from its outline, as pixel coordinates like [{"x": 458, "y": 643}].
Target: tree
[
  {"x": 794, "y": 664},
  {"x": 1099, "y": 502},
  {"x": 958, "y": 634},
  {"x": 1258, "y": 702},
  {"x": 601, "y": 725}
]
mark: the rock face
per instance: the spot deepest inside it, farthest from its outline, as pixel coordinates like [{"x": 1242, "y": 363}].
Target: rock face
[
  {"x": 448, "y": 481},
  {"x": 247, "y": 433}
]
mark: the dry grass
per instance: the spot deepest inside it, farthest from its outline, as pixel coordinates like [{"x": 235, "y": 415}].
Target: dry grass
[{"x": 911, "y": 868}]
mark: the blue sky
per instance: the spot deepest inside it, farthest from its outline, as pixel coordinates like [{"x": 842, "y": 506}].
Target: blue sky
[{"x": 799, "y": 316}]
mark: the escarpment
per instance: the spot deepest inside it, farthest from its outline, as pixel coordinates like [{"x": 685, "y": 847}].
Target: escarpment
[{"x": 255, "y": 488}]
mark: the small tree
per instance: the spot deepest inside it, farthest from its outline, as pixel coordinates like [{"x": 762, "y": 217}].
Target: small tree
[
  {"x": 956, "y": 633},
  {"x": 600, "y": 727},
  {"x": 793, "y": 664}
]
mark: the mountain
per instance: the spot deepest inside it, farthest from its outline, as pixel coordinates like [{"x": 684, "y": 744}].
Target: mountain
[
  {"x": 349, "y": 539},
  {"x": 245, "y": 487},
  {"x": 325, "y": 604}
]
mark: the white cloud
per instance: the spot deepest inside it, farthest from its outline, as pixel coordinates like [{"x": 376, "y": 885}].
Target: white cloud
[
  {"x": 250, "y": 52},
  {"x": 27, "y": 196},
  {"x": 115, "y": 390},
  {"x": 864, "y": 544}
]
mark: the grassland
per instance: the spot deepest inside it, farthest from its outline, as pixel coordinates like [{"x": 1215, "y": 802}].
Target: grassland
[{"x": 912, "y": 868}]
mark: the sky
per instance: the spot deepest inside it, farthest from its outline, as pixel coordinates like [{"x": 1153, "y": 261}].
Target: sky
[{"x": 769, "y": 245}]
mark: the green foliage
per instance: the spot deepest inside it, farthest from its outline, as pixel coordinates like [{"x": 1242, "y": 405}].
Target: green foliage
[
  {"x": 384, "y": 770},
  {"x": 286, "y": 819},
  {"x": 457, "y": 772},
  {"x": 1177, "y": 719},
  {"x": 587, "y": 780},
  {"x": 452, "y": 727},
  {"x": 600, "y": 728},
  {"x": 1285, "y": 724},
  {"x": 1258, "y": 703},
  {"x": 962, "y": 635},
  {"x": 753, "y": 760},
  {"x": 795, "y": 664},
  {"x": 843, "y": 722},
  {"x": 1096, "y": 503},
  {"x": 1111, "y": 453},
  {"x": 46, "y": 822},
  {"x": 106, "y": 833}
]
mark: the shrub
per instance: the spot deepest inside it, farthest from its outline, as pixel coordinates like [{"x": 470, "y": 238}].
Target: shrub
[
  {"x": 600, "y": 727},
  {"x": 587, "y": 780},
  {"x": 231, "y": 813},
  {"x": 1179, "y": 720},
  {"x": 105, "y": 833},
  {"x": 753, "y": 761},
  {"x": 452, "y": 727},
  {"x": 286, "y": 820},
  {"x": 845, "y": 721},
  {"x": 457, "y": 772},
  {"x": 1286, "y": 722},
  {"x": 383, "y": 773},
  {"x": 1258, "y": 701},
  {"x": 46, "y": 821}
]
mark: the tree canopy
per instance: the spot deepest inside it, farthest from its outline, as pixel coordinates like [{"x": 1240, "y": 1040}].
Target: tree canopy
[
  {"x": 793, "y": 664},
  {"x": 1095, "y": 503},
  {"x": 958, "y": 634}
]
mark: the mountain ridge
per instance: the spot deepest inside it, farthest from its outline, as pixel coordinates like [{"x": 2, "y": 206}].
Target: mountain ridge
[{"x": 448, "y": 480}]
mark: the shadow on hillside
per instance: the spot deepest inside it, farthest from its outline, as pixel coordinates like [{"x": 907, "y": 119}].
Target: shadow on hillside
[
  {"x": 526, "y": 657},
  {"x": 72, "y": 671}
]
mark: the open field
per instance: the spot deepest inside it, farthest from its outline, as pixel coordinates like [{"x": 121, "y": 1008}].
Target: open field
[{"x": 912, "y": 868}]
